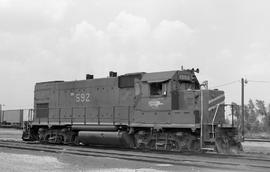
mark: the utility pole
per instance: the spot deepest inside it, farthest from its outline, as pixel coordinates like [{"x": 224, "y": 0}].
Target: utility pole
[
  {"x": 1, "y": 112},
  {"x": 243, "y": 82}
]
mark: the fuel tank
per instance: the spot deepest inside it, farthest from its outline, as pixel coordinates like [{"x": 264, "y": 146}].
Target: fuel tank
[
  {"x": 106, "y": 138},
  {"x": 94, "y": 128}
]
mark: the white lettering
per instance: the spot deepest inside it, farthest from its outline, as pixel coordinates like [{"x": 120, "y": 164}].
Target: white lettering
[
  {"x": 82, "y": 97},
  {"x": 77, "y": 97},
  {"x": 87, "y": 97}
]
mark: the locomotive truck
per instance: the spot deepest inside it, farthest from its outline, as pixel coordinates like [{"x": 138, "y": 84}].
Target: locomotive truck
[{"x": 159, "y": 110}]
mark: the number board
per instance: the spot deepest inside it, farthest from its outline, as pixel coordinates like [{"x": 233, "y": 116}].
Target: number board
[{"x": 185, "y": 77}]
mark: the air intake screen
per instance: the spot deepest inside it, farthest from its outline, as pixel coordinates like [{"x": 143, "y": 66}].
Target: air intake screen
[
  {"x": 42, "y": 110},
  {"x": 127, "y": 81}
]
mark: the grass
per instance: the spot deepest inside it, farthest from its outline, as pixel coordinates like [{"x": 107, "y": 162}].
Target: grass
[{"x": 261, "y": 135}]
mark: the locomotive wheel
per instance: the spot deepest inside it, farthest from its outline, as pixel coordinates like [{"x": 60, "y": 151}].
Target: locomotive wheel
[
  {"x": 55, "y": 139},
  {"x": 225, "y": 145},
  {"x": 141, "y": 146},
  {"x": 195, "y": 146},
  {"x": 172, "y": 145},
  {"x": 235, "y": 147},
  {"x": 75, "y": 140},
  {"x": 222, "y": 145},
  {"x": 169, "y": 141},
  {"x": 176, "y": 146}
]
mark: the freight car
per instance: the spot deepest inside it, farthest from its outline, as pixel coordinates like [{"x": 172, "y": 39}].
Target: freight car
[
  {"x": 159, "y": 110},
  {"x": 11, "y": 118}
]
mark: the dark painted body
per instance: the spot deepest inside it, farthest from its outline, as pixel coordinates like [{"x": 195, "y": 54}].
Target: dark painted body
[{"x": 144, "y": 105}]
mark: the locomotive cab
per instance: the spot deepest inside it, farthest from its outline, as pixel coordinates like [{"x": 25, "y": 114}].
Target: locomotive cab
[
  {"x": 173, "y": 103},
  {"x": 167, "y": 100}
]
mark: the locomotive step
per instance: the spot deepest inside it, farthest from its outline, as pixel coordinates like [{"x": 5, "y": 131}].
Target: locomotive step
[{"x": 208, "y": 149}]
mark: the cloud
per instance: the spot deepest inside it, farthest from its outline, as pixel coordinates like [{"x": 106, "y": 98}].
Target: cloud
[
  {"x": 172, "y": 36},
  {"x": 128, "y": 33},
  {"x": 167, "y": 30},
  {"x": 127, "y": 26},
  {"x": 31, "y": 15},
  {"x": 55, "y": 9},
  {"x": 85, "y": 30},
  {"x": 128, "y": 43},
  {"x": 4, "y": 3},
  {"x": 17, "y": 47},
  {"x": 255, "y": 60},
  {"x": 255, "y": 70}
]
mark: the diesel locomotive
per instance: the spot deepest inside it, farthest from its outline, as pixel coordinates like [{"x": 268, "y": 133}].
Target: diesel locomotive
[{"x": 159, "y": 110}]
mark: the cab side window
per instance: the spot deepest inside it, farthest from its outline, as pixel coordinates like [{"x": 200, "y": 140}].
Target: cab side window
[{"x": 158, "y": 88}]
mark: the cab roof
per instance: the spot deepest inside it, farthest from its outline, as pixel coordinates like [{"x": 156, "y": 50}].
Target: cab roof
[{"x": 158, "y": 76}]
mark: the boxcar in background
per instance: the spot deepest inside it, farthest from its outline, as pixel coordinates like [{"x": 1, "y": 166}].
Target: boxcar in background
[{"x": 12, "y": 118}]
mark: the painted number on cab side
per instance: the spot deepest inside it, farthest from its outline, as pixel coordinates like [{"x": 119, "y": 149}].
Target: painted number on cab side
[{"x": 82, "y": 97}]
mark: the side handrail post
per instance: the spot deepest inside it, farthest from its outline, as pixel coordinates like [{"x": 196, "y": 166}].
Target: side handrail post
[
  {"x": 202, "y": 121},
  {"x": 113, "y": 115},
  {"x": 128, "y": 115},
  {"x": 98, "y": 115},
  {"x": 84, "y": 115},
  {"x": 232, "y": 115},
  {"x": 59, "y": 111},
  {"x": 71, "y": 115},
  {"x": 48, "y": 115}
]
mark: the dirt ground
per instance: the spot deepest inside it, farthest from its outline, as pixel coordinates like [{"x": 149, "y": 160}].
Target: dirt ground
[
  {"x": 257, "y": 147},
  {"x": 10, "y": 134},
  {"x": 20, "y": 160},
  {"x": 28, "y": 161}
]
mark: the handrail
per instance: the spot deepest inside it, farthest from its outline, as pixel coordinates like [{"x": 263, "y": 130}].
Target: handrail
[
  {"x": 58, "y": 112},
  {"x": 214, "y": 119},
  {"x": 202, "y": 120}
]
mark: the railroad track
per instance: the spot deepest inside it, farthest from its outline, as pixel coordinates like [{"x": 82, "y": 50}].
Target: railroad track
[
  {"x": 257, "y": 140},
  {"x": 206, "y": 160}
]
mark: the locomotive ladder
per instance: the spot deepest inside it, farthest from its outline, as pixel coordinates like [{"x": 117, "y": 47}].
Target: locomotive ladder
[{"x": 213, "y": 133}]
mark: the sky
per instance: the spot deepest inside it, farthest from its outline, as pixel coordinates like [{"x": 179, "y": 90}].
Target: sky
[{"x": 45, "y": 40}]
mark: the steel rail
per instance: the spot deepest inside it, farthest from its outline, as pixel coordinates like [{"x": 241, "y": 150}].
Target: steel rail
[
  {"x": 185, "y": 159},
  {"x": 257, "y": 140}
]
